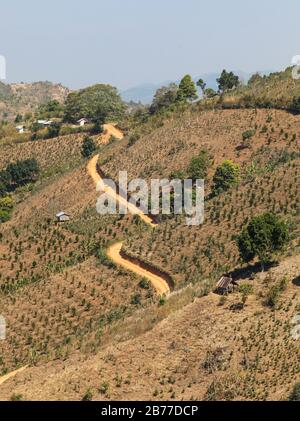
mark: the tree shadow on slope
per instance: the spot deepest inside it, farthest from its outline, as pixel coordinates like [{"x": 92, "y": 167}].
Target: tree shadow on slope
[{"x": 251, "y": 270}]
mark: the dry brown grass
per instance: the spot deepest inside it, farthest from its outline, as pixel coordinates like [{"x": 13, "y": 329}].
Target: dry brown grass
[
  {"x": 202, "y": 351},
  {"x": 77, "y": 307}
]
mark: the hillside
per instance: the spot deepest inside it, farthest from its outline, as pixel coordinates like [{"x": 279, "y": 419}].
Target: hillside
[
  {"x": 276, "y": 90},
  {"x": 85, "y": 324},
  {"x": 23, "y": 98},
  {"x": 201, "y": 351}
]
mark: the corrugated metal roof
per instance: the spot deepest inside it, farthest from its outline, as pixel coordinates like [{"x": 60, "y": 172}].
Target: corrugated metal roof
[
  {"x": 224, "y": 282},
  {"x": 60, "y": 214}
]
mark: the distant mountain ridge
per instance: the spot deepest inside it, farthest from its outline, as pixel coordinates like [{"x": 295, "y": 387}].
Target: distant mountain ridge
[{"x": 144, "y": 93}]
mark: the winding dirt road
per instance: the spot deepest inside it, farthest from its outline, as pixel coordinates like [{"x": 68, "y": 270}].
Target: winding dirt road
[
  {"x": 110, "y": 130},
  {"x": 114, "y": 252},
  {"x": 101, "y": 187},
  {"x": 160, "y": 284}
]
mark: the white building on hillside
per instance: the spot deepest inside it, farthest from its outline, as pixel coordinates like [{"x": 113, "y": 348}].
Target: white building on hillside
[
  {"x": 20, "y": 129},
  {"x": 62, "y": 217},
  {"x": 82, "y": 122},
  {"x": 44, "y": 122}
]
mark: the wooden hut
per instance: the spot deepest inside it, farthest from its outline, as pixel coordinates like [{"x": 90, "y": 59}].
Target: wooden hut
[{"x": 225, "y": 285}]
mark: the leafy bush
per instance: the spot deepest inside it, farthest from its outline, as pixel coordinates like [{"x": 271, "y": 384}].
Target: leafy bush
[
  {"x": 52, "y": 109},
  {"x": 226, "y": 176},
  {"x": 263, "y": 236},
  {"x": 4, "y": 216},
  {"x": 199, "y": 166},
  {"x": 6, "y": 207},
  {"x": 144, "y": 284},
  {"x": 88, "y": 147},
  {"x": 248, "y": 134},
  {"x": 18, "y": 174},
  {"x": 88, "y": 396},
  {"x": 53, "y": 131}
]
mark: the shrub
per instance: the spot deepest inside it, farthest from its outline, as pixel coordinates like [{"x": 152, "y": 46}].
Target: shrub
[
  {"x": 4, "y": 216},
  {"x": 248, "y": 134},
  {"x": 246, "y": 290},
  {"x": 16, "y": 397},
  {"x": 22, "y": 172},
  {"x": 88, "y": 396},
  {"x": 274, "y": 292},
  {"x": 53, "y": 131},
  {"x": 88, "y": 147},
  {"x": 144, "y": 284},
  {"x": 263, "y": 236},
  {"x": 226, "y": 176},
  {"x": 104, "y": 388},
  {"x": 199, "y": 166}
]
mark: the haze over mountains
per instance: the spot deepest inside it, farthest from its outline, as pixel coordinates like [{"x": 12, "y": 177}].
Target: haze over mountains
[
  {"x": 144, "y": 93},
  {"x": 26, "y": 97}
]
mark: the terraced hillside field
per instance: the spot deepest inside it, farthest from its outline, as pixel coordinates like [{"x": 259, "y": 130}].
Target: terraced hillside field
[{"x": 88, "y": 327}]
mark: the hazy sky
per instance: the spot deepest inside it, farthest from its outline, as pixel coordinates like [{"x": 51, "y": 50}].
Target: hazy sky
[{"x": 129, "y": 42}]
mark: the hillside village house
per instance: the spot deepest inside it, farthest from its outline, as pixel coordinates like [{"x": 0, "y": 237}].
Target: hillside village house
[
  {"x": 82, "y": 122},
  {"x": 225, "y": 285},
  {"x": 45, "y": 123},
  {"x": 20, "y": 129},
  {"x": 62, "y": 217}
]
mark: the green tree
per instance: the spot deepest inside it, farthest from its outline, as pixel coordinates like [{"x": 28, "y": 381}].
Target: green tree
[
  {"x": 88, "y": 147},
  {"x": 53, "y": 131},
  {"x": 187, "y": 90},
  {"x": 262, "y": 237},
  {"x": 254, "y": 79},
  {"x": 93, "y": 103},
  {"x": 209, "y": 93},
  {"x": 199, "y": 166},
  {"x": 98, "y": 121},
  {"x": 202, "y": 86},
  {"x": 164, "y": 97},
  {"x": 49, "y": 110},
  {"x": 226, "y": 176},
  {"x": 22, "y": 172},
  {"x": 227, "y": 81}
]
